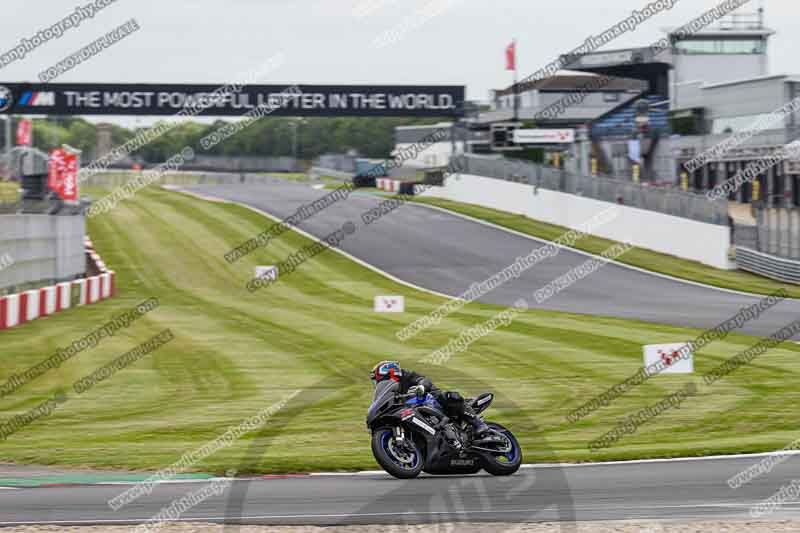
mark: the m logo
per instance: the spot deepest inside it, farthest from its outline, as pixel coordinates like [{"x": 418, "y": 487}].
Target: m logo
[{"x": 38, "y": 99}]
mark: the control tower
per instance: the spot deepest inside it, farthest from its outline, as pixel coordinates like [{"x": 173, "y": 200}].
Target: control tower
[{"x": 734, "y": 49}]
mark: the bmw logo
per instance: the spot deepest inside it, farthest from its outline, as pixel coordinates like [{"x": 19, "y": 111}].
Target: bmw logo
[{"x": 6, "y": 98}]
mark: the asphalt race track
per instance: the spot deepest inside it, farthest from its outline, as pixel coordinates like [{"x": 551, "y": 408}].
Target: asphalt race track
[
  {"x": 447, "y": 253},
  {"x": 685, "y": 489}
]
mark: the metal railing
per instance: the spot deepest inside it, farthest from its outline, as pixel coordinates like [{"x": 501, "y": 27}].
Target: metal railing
[
  {"x": 768, "y": 265},
  {"x": 668, "y": 200}
]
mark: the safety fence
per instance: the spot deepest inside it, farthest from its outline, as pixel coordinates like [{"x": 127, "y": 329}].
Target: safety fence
[
  {"x": 667, "y": 200},
  {"x": 778, "y": 232},
  {"x": 339, "y": 162}
]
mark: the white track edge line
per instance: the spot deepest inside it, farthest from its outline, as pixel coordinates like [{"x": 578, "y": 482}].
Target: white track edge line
[
  {"x": 315, "y": 239},
  {"x": 526, "y": 466},
  {"x": 589, "y": 254}
]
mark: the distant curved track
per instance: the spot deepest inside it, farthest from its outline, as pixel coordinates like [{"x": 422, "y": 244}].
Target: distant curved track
[{"x": 447, "y": 253}]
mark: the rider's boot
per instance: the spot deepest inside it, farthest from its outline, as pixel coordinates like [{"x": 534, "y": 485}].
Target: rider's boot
[
  {"x": 480, "y": 429},
  {"x": 451, "y": 437}
]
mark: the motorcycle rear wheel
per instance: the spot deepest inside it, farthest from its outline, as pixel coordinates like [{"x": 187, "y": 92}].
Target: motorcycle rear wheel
[
  {"x": 401, "y": 463},
  {"x": 503, "y": 464}
]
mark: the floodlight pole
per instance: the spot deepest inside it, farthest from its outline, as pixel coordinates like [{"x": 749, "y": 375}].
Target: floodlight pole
[{"x": 8, "y": 135}]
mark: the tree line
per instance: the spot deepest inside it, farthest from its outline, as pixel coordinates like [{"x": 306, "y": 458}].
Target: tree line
[{"x": 269, "y": 136}]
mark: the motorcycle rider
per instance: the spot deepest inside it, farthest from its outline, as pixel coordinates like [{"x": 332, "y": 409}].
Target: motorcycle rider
[{"x": 412, "y": 382}]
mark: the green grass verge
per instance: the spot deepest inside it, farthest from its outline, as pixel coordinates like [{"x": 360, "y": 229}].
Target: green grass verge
[
  {"x": 236, "y": 353},
  {"x": 9, "y": 191},
  {"x": 638, "y": 257}
]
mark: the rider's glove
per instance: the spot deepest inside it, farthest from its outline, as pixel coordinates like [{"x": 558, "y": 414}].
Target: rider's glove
[{"x": 419, "y": 390}]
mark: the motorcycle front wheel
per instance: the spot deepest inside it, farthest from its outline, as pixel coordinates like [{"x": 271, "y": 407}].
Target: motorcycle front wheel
[{"x": 402, "y": 460}]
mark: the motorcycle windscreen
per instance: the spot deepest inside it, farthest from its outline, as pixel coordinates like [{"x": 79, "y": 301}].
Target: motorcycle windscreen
[{"x": 384, "y": 393}]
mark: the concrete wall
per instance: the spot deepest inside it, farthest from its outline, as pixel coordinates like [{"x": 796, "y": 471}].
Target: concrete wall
[
  {"x": 681, "y": 237},
  {"x": 714, "y": 68},
  {"x": 752, "y": 98},
  {"x": 41, "y": 248}
]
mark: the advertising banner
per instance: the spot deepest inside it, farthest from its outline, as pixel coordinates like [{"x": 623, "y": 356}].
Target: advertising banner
[
  {"x": 231, "y": 99},
  {"x": 24, "y": 133},
  {"x": 541, "y": 136},
  {"x": 69, "y": 178},
  {"x": 55, "y": 169}
]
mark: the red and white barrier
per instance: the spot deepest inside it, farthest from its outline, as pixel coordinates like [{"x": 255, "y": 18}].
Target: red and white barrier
[
  {"x": 94, "y": 289},
  {"x": 98, "y": 262},
  {"x": 16, "y": 309},
  {"x": 63, "y": 301},
  {"x": 9, "y": 311},
  {"x": 105, "y": 285},
  {"x": 81, "y": 289},
  {"x": 31, "y": 301},
  {"x": 388, "y": 185},
  {"x": 48, "y": 298}
]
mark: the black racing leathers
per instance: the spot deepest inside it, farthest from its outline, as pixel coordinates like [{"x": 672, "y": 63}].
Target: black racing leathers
[{"x": 411, "y": 379}]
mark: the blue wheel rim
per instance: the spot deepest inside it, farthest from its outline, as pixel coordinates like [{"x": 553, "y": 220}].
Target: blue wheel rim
[
  {"x": 385, "y": 438},
  {"x": 511, "y": 456}
]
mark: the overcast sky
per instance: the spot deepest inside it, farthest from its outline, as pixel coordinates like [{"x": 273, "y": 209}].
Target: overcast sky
[{"x": 347, "y": 41}]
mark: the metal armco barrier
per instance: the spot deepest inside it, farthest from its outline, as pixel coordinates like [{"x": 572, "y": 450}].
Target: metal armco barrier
[{"x": 768, "y": 265}]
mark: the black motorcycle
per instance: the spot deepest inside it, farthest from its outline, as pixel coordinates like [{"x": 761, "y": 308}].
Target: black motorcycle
[{"x": 409, "y": 437}]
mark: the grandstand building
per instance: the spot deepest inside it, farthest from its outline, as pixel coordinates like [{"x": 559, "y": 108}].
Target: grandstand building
[{"x": 662, "y": 110}]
